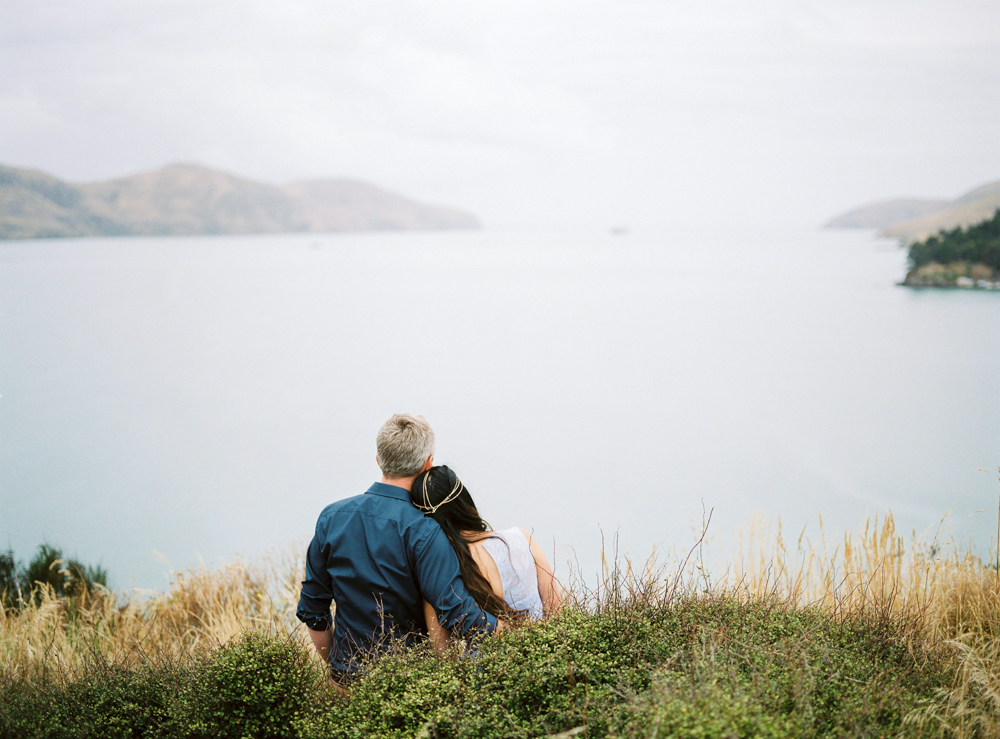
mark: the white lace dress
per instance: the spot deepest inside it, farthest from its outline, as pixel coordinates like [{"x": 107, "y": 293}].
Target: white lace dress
[{"x": 518, "y": 577}]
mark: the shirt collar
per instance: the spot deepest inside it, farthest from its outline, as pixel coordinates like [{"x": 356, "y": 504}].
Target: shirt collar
[{"x": 388, "y": 491}]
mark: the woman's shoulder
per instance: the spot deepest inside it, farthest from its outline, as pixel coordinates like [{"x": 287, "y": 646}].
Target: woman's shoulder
[
  {"x": 516, "y": 536},
  {"x": 514, "y": 539},
  {"x": 514, "y": 531}
]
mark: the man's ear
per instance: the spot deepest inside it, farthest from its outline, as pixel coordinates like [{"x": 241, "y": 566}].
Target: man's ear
[{"x": 428, "y": 464}]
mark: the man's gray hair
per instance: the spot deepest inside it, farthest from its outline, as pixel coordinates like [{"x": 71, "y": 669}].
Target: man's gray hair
[{"x": 403, "y": 445}]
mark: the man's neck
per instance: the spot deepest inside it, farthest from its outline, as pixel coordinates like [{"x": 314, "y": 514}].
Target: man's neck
[{"x": 400, "y": 482}]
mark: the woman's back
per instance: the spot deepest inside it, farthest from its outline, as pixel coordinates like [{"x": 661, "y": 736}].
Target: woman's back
[
  {"x": 516, "y": 567},
  {"x": 504, "y": 571}
]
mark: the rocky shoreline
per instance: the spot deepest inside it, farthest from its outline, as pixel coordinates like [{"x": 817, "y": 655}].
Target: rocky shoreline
[{"x": 962, "y": 275}]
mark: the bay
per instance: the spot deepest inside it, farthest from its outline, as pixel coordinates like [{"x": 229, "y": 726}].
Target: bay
[{"x": 165, "y": 399}]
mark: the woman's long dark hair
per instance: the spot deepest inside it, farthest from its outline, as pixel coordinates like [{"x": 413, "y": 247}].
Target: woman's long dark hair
[{"x": 459, "y": 514}]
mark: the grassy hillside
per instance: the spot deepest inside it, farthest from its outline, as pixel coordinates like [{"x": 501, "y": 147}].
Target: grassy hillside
[{"x": 878, "y": 637}]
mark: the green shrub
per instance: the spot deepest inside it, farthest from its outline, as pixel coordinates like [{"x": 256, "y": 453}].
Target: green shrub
[
  {"x": 700, "y": 666},
  {"x": 687, "y": 709},
  {"x": 255, "y": 686},
  {"x": 108, "y": 703},
  {"x": 704, "y": 667}
]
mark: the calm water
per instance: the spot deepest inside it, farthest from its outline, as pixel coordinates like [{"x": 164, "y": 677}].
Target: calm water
[{"x": 208, "y": 396}]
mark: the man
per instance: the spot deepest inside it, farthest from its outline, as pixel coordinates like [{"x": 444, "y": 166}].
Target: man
[{"x": 377, "y": 557}]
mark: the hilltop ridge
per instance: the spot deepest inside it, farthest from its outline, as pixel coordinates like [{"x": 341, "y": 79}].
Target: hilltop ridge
[
  {"x": 188, "y": 199},
  {"x": 914, "y": 219}
]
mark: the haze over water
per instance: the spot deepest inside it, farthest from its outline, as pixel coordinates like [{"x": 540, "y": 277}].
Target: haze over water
[{"x": 208, "y": 396}]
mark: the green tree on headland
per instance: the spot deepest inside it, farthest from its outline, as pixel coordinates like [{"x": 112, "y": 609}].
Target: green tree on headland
[
  {"x": 942, "y": 259},
  {"x": 66, "y": 577},
  {"x": 10, "y": 579}
]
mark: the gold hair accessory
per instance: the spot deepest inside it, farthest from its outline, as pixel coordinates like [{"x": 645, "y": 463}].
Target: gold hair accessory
[{"x": 455, "y": 492}]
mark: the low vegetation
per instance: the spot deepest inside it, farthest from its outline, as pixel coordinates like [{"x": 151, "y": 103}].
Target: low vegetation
[
  {"x": 867, "y": 638},
  {"x": 962, "y": 257}
]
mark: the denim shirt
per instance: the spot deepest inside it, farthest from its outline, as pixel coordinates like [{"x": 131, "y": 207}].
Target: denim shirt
[{"x": 377, "y": 557}]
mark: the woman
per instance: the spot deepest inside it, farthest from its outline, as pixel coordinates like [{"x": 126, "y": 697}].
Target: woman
[{"x": 505, "y": 571}]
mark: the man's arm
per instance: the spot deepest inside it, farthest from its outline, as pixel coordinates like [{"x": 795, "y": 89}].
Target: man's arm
[
  {"x": 322, "y": 640},
  {"x": 438, "y": 636},
  {"x": 440, "y": 582},
  {"x": 316, "y": 597}
]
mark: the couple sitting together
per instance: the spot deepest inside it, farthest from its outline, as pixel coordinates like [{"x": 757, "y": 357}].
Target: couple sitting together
[{"x": 411, "y": 558}]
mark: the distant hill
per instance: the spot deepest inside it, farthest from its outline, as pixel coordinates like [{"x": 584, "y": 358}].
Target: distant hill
[
  {"x": 974, "y": 207},
  {"x": 887, "y": 212},
  {"x": 185, "y": 199},
  {"x": 913, "y": 220}
]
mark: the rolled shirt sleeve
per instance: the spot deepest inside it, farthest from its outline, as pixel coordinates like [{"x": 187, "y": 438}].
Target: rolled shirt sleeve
[
  {"x": 317, "y": 590},
  {"x": 441, "y": 585}
]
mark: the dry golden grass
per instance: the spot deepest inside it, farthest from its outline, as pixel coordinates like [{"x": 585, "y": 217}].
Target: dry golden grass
[
  {"x": 202, "y": 609},
  {"x": 953, "y": 594}
]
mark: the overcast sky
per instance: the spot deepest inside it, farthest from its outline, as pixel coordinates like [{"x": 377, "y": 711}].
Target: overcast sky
[{"x": 527, "y": 113}]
